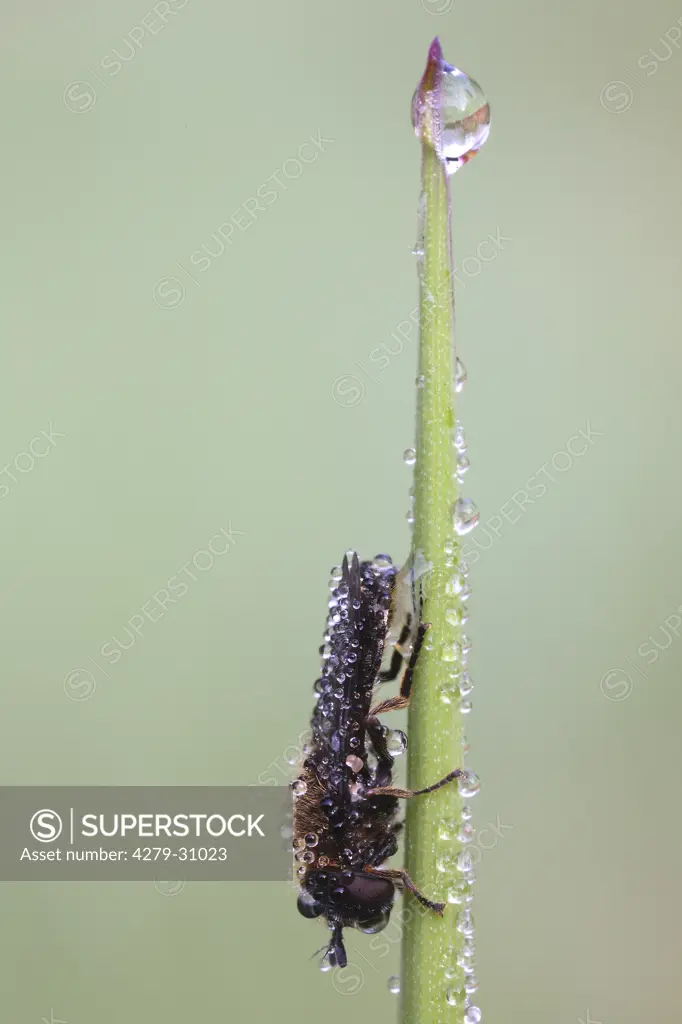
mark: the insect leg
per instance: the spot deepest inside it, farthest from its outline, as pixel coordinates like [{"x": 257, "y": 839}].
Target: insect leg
[
  {"x": 397, "y": 659},
  {"x": 403, "y": 698},
  {"x": 405, "y": 793},
  {"x": 400, "y": 875}
]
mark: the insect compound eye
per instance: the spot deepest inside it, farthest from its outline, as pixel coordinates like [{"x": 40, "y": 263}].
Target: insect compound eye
[{"x": 308, "y": 906}]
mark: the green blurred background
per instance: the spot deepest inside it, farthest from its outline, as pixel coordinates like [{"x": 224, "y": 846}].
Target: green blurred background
[{"x": 243, "y": 396}]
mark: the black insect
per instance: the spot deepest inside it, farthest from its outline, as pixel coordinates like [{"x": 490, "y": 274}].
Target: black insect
[{"x": 345, "y": 808}]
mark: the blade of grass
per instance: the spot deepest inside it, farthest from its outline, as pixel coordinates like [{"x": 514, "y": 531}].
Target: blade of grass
[{"x": 431, "y": 944}]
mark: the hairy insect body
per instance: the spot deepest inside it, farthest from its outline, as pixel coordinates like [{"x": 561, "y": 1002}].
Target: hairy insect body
[
  {"x": 345, "y": 809},
  {"x": 340, "y": 829}
]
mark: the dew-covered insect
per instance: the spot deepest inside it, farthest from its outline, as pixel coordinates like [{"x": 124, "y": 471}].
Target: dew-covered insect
[{"x": 345, "y": 819}]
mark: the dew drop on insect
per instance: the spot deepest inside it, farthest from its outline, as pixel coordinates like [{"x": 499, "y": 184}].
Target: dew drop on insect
[
  {"x": 312, "y": 839},
  {"x": 354, "y": 763},
  {"x": 469, "y": 785},
  {"x": 308, "y": 857},
  {"x": 301, "y": 871},
  {"x": 450, "y": 971},
  {"x": 396, "y": 742},
  {"x": 375, "y": 926},
  {"x": 299, "y": 788},
  {"x": 409, "y": 456},
  {"x": 460, "y": 374},
  {"x": 420, "y": 381},
  {"x": 464, "y": 515},
  {"x": 336, "y": 573},
  {"x": 473, "y": 1015},
  {"x": 382, "y": 562},
  {"x": 466, "y": 812},
  {"x": 471, "y": 985},
  {"x": 465, "y": 707},
  {"x": 325, "y": 965},
  {"x": 299, "y": 844},
  {"x": 394, "y": 984}
]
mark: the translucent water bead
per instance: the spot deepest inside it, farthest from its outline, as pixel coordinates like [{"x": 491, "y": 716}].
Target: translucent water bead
[
  {"x": 465, "y": 119},
  {"x": 460, "y": 374}
]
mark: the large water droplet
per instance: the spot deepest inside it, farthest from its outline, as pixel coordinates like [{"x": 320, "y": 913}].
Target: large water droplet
[
  {"x": 466, "y": 118},
  {"x": 460, "y": 374},
  {"x": 394, "y": 984},
  {"x": 473, "y": 1015},
  {"x": 409, "y": 456},
  {"x": 300, "y": 788},
  {"x": 464, "y": 515}
]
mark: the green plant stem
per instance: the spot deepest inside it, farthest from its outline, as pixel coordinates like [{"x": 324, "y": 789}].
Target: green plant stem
[{"x": 435, "y": 727}]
